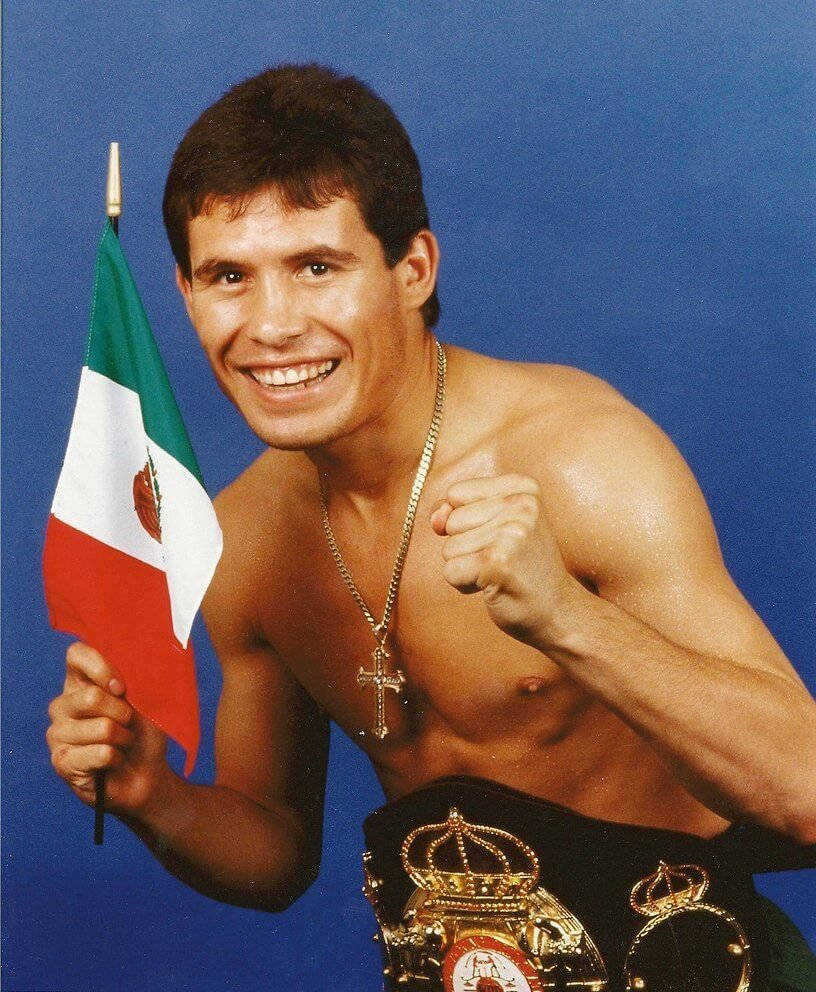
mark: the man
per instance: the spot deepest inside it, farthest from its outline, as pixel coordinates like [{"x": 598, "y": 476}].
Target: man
[{"x": 532, "y": 635}]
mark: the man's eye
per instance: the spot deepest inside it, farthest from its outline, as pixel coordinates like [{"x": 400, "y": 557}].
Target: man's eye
[
  {"x": 231, "y": 278},
  {"x": 318, "y": 269}
]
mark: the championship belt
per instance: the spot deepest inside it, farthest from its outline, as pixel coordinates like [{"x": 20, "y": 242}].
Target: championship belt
[{"x": 478, "y": 921}]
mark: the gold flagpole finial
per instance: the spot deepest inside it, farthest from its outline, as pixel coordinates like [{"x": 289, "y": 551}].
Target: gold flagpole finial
[{"x": 113, "y": 190}]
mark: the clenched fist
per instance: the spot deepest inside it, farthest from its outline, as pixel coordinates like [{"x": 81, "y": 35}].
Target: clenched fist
[
  {"x": 498, "y": 541},
  {"x": 93, "y": 727}
]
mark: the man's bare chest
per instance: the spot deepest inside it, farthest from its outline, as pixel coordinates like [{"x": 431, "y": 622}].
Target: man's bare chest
[
  {"x": 475, "y": 701},
  {"x": 463, "y": 677}
]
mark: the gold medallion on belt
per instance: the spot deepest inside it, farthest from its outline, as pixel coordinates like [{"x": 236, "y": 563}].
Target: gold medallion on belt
[{"x": 482, "y": 923}]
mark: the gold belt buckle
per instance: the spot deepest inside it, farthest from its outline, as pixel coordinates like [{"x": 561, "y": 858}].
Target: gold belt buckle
[{"x": 494, "y": 930}]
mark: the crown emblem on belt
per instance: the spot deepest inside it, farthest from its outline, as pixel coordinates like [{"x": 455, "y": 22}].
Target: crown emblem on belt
[
  {"x": 670, "y": 887},
  {"x": 478, "y": 919},
  {"x": 485, "y": 868}
]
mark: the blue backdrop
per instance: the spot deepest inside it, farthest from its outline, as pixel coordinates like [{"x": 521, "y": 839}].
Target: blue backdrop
[{"x": 624, "y": 187}]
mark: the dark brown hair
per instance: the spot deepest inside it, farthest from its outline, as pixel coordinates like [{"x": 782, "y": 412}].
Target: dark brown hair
[{"x": 312, "y": 135}]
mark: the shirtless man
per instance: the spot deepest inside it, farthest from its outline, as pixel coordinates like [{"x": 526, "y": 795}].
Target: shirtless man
[{"x": 564, "y": 621}]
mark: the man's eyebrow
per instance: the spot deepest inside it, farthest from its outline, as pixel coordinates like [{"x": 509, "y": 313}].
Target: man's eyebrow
[
  {"x": 213, "y": 266},
  {"x": 325, "y": 253}
]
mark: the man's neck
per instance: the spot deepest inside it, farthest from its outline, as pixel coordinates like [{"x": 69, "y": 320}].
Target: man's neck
[{"x": 378, "y": 460}]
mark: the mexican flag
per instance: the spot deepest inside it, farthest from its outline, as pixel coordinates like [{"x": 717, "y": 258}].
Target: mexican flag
[{"x": 132, "y": 541}]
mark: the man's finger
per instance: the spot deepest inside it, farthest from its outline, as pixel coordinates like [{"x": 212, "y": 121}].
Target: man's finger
[
  {"x": 99, "y": 730},
  {"x": 463, "y": 573},
  {"x": 439, "y": 516},
  {"x": 470, "y": 541},
  {"x": 487, "y": 487},
  {"x": 79, "y": 759},
  {"x": 85, "y": 664},
  {"x": 91, "y": 701},
  {"x": 476, "y": 514}
]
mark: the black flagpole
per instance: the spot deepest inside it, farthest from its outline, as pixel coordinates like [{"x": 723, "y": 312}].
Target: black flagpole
[{"x": 113, "y": 208}]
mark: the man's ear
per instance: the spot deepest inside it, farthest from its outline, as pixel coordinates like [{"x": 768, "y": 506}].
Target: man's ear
[
  {"x": 185, "y": 289},
  {"x": 418, "y": 269}
]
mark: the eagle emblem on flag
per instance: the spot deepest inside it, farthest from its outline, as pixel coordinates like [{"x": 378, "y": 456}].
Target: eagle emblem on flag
[{"x": 147, "y": 499}]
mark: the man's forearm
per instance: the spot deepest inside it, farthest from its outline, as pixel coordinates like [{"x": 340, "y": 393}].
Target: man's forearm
[
  {"x": 742, "y": 739},
  {"x": 226, "y": 846}
]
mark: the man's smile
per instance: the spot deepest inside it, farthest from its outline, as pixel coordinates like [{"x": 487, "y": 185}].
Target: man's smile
[{"x": 298, "y": 376}]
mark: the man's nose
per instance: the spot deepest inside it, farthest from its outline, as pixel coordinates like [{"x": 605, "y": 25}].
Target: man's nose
[{"x": 276, "y": 316}]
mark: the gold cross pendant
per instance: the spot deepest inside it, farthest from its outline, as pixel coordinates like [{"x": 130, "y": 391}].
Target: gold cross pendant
[{"x": 381, "y": 681}]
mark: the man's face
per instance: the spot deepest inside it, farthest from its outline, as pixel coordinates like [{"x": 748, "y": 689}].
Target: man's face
[{"x": 304, "y": 324}]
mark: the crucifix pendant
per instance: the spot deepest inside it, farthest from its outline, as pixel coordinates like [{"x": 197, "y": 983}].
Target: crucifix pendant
[{"x": 381, "y": 681}]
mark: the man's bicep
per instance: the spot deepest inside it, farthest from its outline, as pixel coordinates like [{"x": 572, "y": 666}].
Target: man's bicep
[
  {"x": 271, "y": 739},
  {"x": 658, "y": 558},
  {"x": 702, "y": 610}
]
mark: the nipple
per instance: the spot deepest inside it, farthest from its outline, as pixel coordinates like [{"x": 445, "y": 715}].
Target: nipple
[{"x": 532, "y": 685}]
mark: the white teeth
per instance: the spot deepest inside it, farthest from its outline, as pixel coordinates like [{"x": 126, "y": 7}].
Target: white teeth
[{"x": 293, "y": 375}]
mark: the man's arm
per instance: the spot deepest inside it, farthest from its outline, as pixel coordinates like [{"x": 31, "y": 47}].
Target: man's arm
[
  {"x": 668, "y": 642},
  {"x": 254, "y": 837}
]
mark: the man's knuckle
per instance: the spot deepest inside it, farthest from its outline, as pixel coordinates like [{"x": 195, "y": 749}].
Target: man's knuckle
[
  {"x": 58, "y": 756},
  {"x": 107, "y": 729},
  {"x": 455, "y": 572},
  {"x": 523, "y": 505},
  {"x": 513, "y": 533},
  {"x": 529, "y": 503},
  {"x": 76, "y": 654},
  {"x": 525, "y": 484},
  {"x": 106, "y": 753},
  {"x": 455, "y": 522},
  {"x": 93, "y": 696}
]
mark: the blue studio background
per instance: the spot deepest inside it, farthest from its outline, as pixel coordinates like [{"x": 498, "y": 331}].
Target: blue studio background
[{"x": 625, "y": 187}]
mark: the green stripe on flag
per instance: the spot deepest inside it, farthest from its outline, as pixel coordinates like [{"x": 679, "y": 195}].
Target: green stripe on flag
[{"x": 121, "y": 347}]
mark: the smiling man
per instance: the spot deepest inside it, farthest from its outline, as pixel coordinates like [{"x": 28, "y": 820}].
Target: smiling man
[{"x": 500, "y": 580}]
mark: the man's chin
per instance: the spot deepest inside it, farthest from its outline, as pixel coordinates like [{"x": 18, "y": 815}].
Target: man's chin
[{"x": 295, "y": 438}]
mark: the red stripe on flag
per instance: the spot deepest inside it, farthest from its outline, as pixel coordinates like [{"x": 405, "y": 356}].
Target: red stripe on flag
[{"x": 121, "y": 606}]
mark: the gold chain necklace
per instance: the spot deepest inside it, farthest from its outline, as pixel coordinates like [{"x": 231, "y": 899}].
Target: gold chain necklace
[{"x": 379, "y": 678}]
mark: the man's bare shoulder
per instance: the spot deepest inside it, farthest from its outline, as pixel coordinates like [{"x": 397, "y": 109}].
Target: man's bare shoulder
[
  {"x": 556, "y": 407},
  {"x": 271, "y": 488},
  {"x": 258, "y": 513},
  {"x": 582, "y": 420},
  {"x": 610, "y": 476}
]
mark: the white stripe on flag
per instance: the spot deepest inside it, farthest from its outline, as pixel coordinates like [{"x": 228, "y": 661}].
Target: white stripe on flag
[
  {"x": 191, "y": 538},
  {"x": 107, "y": 448}
]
